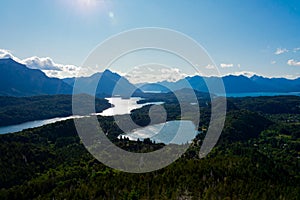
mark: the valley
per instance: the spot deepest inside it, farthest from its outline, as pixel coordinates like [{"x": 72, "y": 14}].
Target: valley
[
  {"x": 257, "y": 152},
  {"x": 150, "y": 100}
]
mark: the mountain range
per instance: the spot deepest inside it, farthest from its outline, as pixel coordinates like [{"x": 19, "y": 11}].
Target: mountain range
[
  {"x": 107, "y": 84},
  {"x": 232, "y": 84},
  {"x": 18, "y": 80}
]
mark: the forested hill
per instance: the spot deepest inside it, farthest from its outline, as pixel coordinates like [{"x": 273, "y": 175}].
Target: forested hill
[
  {"x": 15, "y": 110},
  {"x": 257, "y": 157}
]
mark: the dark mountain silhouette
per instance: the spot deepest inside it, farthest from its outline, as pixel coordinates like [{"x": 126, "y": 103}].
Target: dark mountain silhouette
[
  {"x": 277, "y": 84},
  {"x": 107, "y": 84},
  {"x": 18, "y": 80},
  {"x": 232, "y": 84},
  {"x": 150, "y": 87}
]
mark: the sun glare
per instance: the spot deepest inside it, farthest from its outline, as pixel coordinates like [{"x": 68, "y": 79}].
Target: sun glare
[
  {"x": 89, "y": 5},
  {"x": 85, "y": 6},
  {"x": 86, "y": 2}
]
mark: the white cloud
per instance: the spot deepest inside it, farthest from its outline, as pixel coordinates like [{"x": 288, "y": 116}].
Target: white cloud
[
  {"x": 296, "y": 49},
  {"x": 66, "y": 72},
  {"x": 244, "y": 73},
  {"x": 154, "y": 73},
  {"x": 237, "y": 73},
  {"x": 47, "y": 65},
  {"x": 8, "y": 54},
  {"x": 209, "y": 66},
  {"x": 223, "y": 65},
  {"x": 290, "y": 76},
  {"x": 50, "y": 68},
  {"x": 150, "y": 69},
  {"x": 249, "y": 74},
  {"x": 41, "y": 63},
  {"x": 273, "y": 62},
  {"x": 293, "y": 62},
  {"x": 280, "y": 51}
]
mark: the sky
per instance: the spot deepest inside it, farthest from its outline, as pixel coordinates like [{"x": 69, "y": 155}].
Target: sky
[{"x": 242, "y": 37}]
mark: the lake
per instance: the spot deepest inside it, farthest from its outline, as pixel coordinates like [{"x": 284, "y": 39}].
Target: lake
[
  {"x": 33, "y": 124},
  {"x": 121, "y": 106},
  {"x": 166, "y": 132},
  {"x": 258, "y": 94}
]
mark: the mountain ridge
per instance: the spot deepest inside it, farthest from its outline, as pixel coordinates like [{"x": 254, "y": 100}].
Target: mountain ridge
[
  {"x": 232, "y": 84},
  {"x": 108, "y": 84},
  {"x": 18, "y": 80}
]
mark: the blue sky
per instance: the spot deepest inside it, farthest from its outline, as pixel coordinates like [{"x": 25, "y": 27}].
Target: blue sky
[{"x": 259, "y": 36}]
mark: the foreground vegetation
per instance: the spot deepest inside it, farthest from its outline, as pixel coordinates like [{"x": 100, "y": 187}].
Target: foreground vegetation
[{"x": 257, "y": 157}]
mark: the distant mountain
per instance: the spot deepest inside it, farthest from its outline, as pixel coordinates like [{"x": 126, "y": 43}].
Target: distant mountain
[
  {"x": 232, "y": 84},
  {"x": 108, "y": 84},
  {"x": 277, "y": 84},
  {"x": 18, "y": 80},
  {"x": 185, "y": 95},
  {"x": 150, "y": 87}
]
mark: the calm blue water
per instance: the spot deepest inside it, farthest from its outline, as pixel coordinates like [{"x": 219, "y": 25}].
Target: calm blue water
[
  {"x": 32, "y": 124},
  {"x": 121, "y": 106},
  {"x": 257, "y": 94},
  {"x": 175, "y": 132}
]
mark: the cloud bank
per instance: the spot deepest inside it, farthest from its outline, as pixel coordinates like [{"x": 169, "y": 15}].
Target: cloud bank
[
  {"x": 223, "y": 65},
  {"x": 154, "y": 73},
  {"x": 280, "y": 51},
  {"x": 293, "y": 62},
  {"x": 8, "y": 54},
  {"x": 47, "y": 65}
]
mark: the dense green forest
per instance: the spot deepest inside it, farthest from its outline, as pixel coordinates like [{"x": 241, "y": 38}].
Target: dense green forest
[
  {"x": 257, "y": 157},
  {"x": 16, "y": 110}
]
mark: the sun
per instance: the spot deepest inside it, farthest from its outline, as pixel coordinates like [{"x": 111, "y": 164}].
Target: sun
[
  {"x": 88, "y": 6},
  {"x": 86, "y": 2}
]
